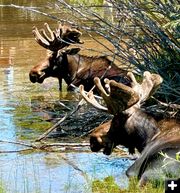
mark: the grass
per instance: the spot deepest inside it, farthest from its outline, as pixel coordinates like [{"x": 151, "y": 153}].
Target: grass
[
  {"x": 2, "y": 188},
  {"x": 108, "y": 185}
]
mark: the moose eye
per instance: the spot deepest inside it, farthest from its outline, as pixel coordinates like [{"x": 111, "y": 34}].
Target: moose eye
[{"x": 55, "y": 67}]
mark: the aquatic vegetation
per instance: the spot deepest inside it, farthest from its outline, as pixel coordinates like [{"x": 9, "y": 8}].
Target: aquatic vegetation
[{"x": 108, "y": 185}]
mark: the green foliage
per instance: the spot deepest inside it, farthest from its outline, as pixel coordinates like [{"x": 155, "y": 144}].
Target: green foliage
[
  {"x": 178, "y": 156},
  {"x": 108, "y": 185},
  {"x": 155, "y": 42},
  {"x": 2, "y": 189}
]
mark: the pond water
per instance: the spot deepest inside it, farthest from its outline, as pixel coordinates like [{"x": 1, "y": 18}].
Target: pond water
[{"x": 25, "y": 109}]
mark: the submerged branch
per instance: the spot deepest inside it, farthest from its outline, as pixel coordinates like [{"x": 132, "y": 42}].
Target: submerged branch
[
  {"x": 42, "y": 146},
  {"x": 45, "y": 134},
  {"x": 71, "y": 163},
  {"x": 15, "y": 151},
  {"x": 19, "y": 143}
]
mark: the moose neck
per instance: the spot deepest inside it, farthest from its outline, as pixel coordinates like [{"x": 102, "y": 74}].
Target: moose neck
[
  {"x": 133, "y": 130},
  {"x": 73, "y": 65},
  {"x": 69, "y": 68}
]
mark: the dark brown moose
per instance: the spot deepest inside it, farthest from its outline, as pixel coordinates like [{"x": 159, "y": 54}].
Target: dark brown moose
[
  {"x": 67, "y": 64},
  {"x": 134, "y": 128},
  {"x": 130, "y": 126}
]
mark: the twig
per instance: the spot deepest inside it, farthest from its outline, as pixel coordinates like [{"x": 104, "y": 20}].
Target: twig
[
  {"x": 40, "y": 146},
  {"x": 75, "y": 166},
  {"x": 19, "y": 143},
  {"x": 65, "y": 144},
  {"x": 15, "y": 151},
  {"x": 33, "y": 10},
  {"x": 53, "y": 127},
  {"x": 173, "y": 106}
]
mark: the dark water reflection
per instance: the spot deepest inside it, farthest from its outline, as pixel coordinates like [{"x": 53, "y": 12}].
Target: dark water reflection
[{"x": 22, "y": 114}]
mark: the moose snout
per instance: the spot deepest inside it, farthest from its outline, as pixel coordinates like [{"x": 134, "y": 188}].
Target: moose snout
[
  {"x": 95, "y": 144},
  {"x": 32, "y": 77},
  {"x": 36, "y": 76}
]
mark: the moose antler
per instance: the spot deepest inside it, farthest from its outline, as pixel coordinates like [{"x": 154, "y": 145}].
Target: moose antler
[
  {"x": 122, "y": 97},
  {"x": 147, "y": 88},
  {"x": 89, "y": 97},
  {"x": 62, "y": 37}
]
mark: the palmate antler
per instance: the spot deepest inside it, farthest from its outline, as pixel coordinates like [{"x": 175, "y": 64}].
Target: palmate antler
[
  {"x": 62, "y": 37},
  {"x": 122, "y": 97}
]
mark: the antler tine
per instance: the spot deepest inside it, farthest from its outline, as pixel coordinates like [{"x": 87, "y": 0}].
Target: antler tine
[
  {"x": 40, "y": 39},
  {"x": 52, "y": 34},
  {"x": 89, "y": 97},
  {"x": 100, "y": 88},
  {"x": 58, "y": 39},
  {"x": 157, "y": 79},
  {"x": 120, "y": 98},
  {"x": 148, "y": 86}
]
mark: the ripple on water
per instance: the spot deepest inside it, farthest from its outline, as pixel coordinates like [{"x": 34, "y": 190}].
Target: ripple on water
[{"x": 57, "y": 172}]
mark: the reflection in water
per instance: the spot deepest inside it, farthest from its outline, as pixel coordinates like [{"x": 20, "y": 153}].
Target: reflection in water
[
  {"x": 9, "y": 72},
  {"x": 74, "y": 174},
  {"x": 22, "y": 114}
]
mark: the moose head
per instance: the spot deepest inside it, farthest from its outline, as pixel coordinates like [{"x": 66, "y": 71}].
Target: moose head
[
  {"x": 55, "y": 65},
  {"x": 130, "y": 126}
]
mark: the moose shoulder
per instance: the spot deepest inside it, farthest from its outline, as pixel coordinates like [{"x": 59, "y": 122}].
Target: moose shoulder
[
  {"x": 67, "y": 64},
  {"x": 152, "y": 165}
]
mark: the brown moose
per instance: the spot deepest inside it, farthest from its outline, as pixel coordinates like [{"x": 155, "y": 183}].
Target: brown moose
[
  {"x": 130, "y": 126},
  {"x": 67, "y": 64},
  {"x": 134, "y": 128}
]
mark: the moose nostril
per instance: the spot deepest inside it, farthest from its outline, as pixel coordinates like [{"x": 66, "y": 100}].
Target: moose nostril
[
  {"x": 33, "y": 78},
  {"x": 37, "y": 76}
]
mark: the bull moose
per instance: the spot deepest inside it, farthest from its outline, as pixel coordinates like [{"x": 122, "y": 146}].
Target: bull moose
[
  {"x": 67, "y": 64},
  {"x": 134, "y": 128}
]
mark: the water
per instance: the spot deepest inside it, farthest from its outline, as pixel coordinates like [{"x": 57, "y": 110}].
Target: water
[{"x": 25, "y": 109}]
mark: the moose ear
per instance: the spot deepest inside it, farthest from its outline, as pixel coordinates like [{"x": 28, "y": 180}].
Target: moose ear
[{"x": 72, "y": 51}]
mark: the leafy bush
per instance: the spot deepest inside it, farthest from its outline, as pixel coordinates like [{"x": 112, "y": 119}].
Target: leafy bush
[{"x": 145, "y": 35}]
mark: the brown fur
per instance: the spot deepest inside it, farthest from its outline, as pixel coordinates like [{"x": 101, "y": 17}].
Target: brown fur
[
  {"x": 150, "y": 137},
  {"x": 76, "y": 69},
  {"x": 133, "y": 131},
  {"x": 149, "y": 166},
  {"x": 134, "y": 128}
]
